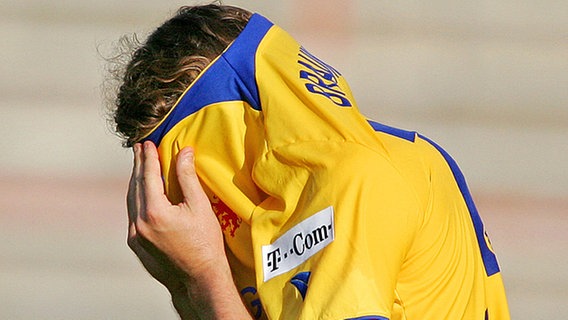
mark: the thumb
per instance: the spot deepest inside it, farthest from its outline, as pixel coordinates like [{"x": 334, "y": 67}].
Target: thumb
[{"x": 189, "y": 182}]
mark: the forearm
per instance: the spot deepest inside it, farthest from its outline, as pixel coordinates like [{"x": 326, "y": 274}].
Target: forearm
[
  {"x": 213, "y": 295},
  {"x": 182, "y": 304},
  {"x": 209, "y": 293}
]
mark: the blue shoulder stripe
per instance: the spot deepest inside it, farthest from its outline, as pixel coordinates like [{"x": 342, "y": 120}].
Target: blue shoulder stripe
[
  {"x": 488, "y": 256},
  {"x": 403, "y": 134},
  {"x": 229, "y": 78},
  {"x": 369, "y": 318}
]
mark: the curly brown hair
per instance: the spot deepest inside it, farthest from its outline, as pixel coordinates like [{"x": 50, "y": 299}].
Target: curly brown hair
[{"x": 159, "y": 70}]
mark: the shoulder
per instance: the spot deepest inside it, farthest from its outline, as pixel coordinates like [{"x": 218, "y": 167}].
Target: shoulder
[{"x": 421, "y": 162}]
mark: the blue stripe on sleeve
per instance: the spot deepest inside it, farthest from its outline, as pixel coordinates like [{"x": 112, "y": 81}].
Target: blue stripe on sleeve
[
  {"x": 403, "y": 134},
  {"x": 369, "y": 318},
  {"x": 489, "y": 258}
]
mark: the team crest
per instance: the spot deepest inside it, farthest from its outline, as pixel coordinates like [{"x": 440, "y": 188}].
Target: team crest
[{"x": 228, "y": 219}]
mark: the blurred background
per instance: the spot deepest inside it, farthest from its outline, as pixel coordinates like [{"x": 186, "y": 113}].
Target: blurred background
[{"x": 488, "y": 80}]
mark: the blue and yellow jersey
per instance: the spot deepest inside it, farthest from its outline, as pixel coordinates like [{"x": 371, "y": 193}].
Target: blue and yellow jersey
[{"x": 326, "y": 214}]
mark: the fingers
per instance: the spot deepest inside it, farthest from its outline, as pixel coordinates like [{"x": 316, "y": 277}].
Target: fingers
[
  {"x": 134, "y": 199},
  {"x": 145, "y": 188},
  {"x": 188, "y": 180},
  {"x": 153, "y": 184}
]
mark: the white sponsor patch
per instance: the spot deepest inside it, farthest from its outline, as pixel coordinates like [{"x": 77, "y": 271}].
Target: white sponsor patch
[{"x": 298, "y": 244}]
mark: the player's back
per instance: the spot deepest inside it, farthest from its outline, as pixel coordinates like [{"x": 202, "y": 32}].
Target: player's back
[{"x": 450, "y": 271}]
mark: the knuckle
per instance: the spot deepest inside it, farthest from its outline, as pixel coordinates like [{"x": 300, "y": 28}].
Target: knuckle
[
  {"x": 132, "y": 243},
  {"x": 153, "y": 216},
  {"x": 142, "y": 231}
]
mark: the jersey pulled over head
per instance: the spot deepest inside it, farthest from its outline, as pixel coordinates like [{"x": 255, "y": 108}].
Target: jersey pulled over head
[{"x": 316, "y": 203}]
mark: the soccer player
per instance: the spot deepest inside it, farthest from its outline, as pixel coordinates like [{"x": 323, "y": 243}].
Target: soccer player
[{"x": 259, "y": 190}]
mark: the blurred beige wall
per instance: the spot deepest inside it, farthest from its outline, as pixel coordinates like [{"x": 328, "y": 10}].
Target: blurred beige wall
[{"x": 488, "y": 80}]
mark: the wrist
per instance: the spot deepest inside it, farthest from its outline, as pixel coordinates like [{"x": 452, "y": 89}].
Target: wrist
[
  {"x": 182, "y": 304},
  {"x": 213, "y": 292}
]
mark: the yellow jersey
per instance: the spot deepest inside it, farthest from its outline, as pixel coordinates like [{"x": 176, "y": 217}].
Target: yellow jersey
[{"x": 326, "y": 214}]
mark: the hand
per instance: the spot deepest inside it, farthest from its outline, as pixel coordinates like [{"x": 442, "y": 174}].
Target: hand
[
  {"x": 155, "y": 262},
  {"x": 183, "y": 243},
  {"x": 188, "y": 233}
]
